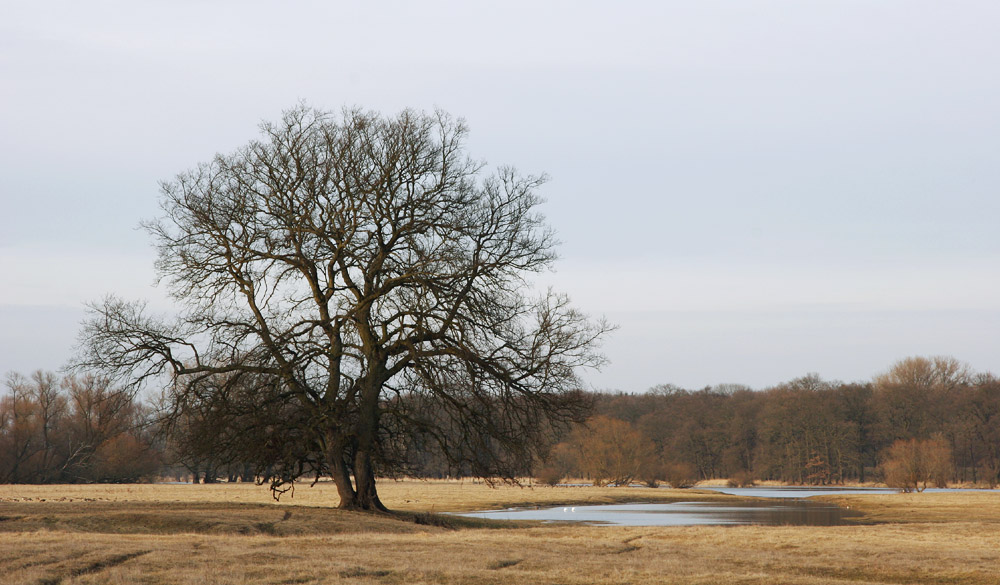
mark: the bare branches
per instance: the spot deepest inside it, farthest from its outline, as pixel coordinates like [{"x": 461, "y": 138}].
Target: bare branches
[
  {"x": 122, "y": 341},
  {"x": 342, "y": 258},
  {"x": 78, "y": 428}
]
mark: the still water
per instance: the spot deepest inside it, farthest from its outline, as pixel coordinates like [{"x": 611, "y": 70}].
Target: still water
[
  {"x": 798, "y": 491},
  {"x": 776, "y": 506},
  {"x": 789, "y": 512},
  {"x": 809, "y": 491}
]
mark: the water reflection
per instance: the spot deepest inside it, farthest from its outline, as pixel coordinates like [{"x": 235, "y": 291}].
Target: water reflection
[{"x": 768, "y": 512}]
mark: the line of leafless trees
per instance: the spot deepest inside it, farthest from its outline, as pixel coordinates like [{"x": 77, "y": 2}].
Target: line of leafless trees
[
  {"x": 925, "y": 421},
  {"x": 73, "y": 429}
]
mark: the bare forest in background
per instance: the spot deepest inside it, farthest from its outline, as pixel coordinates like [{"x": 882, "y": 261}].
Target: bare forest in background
[
  {"x": 925, "y": 422},
  {"x": 810, "y": 431}
]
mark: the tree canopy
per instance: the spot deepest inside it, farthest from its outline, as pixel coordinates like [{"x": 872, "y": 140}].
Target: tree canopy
[{"x": 352, "y": 286}]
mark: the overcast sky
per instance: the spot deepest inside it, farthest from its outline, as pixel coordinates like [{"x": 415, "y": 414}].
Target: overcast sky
[{"x": 752, "y": 190}]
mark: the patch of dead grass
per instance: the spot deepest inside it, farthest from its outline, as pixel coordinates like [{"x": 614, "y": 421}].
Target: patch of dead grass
[
  {"x": 406, "y": 495},
  {"x": 210, "y": 539},
  {"x": 924, "y": 507}
]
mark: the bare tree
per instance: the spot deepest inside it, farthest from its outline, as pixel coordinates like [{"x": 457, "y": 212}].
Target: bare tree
[
  {"x": 912, "y": 465},
  {"x": 31, "y": 422},
  {"x": 99, "y": 414},
  {"x": 914, "y": 395},
  {"x": 337, "y": 274},
  {"x": 68, "y": 429},
  {"x": 611, "y": 451},
  {"x": 19, "y": 431}
]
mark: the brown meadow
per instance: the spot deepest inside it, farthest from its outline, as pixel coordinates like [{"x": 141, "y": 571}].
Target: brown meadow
[{"x": 235, "y": 533}]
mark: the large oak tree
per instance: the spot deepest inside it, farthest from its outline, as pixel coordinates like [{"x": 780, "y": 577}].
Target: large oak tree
[{"x": 351, "y": 286}]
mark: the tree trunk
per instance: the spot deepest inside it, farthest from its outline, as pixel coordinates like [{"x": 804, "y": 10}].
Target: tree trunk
[
  {"x": 361, "y": 494},
  {"x": 366, "y": 495},
  {"x": 364, "y": 479},
  {"x": 342, "y": 479}
]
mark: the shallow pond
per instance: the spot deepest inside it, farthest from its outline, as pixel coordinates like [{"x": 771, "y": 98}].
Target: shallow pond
[
  {"x": 809, "y": 491},
  {"x": 776, "y": 506},
  {"x": 770, "y": 512},
  {"x": 797, "y": 491}
]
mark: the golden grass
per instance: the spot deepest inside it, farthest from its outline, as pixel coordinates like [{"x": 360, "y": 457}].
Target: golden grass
[
  {"x": 408, "y": 495},
  {"x": 228, "y": 534},
  {"x": 980, "y": 506}
]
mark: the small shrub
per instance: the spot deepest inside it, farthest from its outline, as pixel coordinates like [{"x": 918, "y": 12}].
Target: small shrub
[
  {"x": 680, "y": 475},
  {"x": 741, "y": 479},
  {"x": 559, "y": 463},
  {"x": 651, "y": 471},
  {"x": 549, "y": 475}
]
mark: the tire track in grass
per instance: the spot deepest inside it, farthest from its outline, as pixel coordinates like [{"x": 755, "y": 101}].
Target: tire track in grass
[{"x": 94, "y": 567}]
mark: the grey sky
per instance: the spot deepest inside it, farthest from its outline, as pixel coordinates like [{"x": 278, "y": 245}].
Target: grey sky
[{"x": 753, "y": 190}]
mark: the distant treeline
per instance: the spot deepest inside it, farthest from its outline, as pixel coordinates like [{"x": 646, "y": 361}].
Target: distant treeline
[
  {"x": 804, "y": 431},
  {"x": 73, "y": 429},
  {"x": 83, "y": 429}
]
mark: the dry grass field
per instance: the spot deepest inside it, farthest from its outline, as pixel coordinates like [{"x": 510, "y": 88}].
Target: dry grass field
[{"x": 229, "y": 534}]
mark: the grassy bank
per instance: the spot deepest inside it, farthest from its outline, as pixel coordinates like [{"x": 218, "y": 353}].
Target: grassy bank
[
  {"x": 226, "y": 534},
  {"x": 415, "y": 496}
]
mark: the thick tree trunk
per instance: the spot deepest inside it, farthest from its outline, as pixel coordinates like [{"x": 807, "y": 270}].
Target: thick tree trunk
[
  {"x": 342, "y": 479},
  {"x": 361, "y": 493},
  {"x": 364, "y": 479},
  {"x": 365, "y": 493},
  {"x": 348, "y": 497}
]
